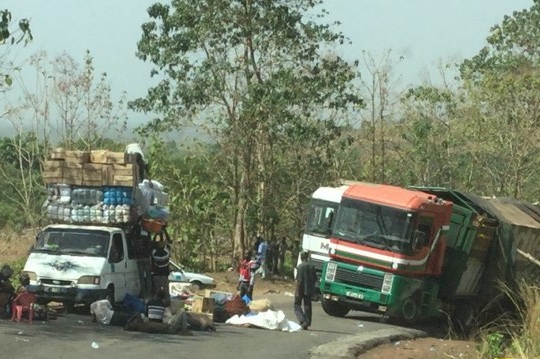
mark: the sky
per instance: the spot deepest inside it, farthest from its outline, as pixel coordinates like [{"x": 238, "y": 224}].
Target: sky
[{"x": 424, "y": 32}]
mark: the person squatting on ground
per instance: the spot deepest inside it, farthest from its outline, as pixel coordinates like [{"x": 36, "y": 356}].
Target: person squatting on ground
[
  {"x": 155, "y": 308},
  {"x": 306, "y": 278},
  {"x": 7, "y": 291},
  {"x": 102, "y": 311}
]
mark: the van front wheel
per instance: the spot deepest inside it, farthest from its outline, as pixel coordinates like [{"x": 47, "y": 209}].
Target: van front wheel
[{"x": 110, "y": 295}]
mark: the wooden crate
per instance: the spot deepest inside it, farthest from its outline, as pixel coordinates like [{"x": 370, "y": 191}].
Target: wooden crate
[
  {"x": 98, "y": 156},
  {"x": 53, "y": 171},
  {"x": 202, "y": 305},
  {"x": 78, "y": 157},
  {"x": 58, "y": 154},
  {"x": 122, "y": 170},
  {"x": 209, "y": 293},
  {"x": 107, "y": 157},
  {"x": 116, "y": 158},
  {"x": 93, "y": 175},
  {"x": 73, "y": 174},
  {"x": 122, "y": 181}
]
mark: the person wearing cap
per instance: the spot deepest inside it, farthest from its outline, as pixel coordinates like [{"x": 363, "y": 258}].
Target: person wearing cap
[{"x": 306, "y": 278}]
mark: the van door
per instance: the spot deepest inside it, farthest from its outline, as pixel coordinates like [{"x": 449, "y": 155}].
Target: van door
[
  {"x": 117, "y": 264},
  {"x": 133, "y": 279}
]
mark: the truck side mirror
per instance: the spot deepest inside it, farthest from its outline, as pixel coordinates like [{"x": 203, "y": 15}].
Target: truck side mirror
[{"x": 420, "y": 239}]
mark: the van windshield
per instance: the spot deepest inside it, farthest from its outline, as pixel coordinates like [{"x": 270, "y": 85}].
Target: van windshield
[{"x": 73, "y": 241}]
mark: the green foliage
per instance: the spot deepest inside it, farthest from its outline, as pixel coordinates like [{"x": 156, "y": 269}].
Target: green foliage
[
  {"x": 9, "y": 36},
  {"x": 258, "y": 76}
]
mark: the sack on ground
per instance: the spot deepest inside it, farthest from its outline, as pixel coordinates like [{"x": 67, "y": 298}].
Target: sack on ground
[{"x": 260, "y": 305}]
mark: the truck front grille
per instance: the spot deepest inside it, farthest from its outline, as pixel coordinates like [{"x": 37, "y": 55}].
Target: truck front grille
[
  {"x": 357, "y": 278},
  {"x": 317, "y": 264}
]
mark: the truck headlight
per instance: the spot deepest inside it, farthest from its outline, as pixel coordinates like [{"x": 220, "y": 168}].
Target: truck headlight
[
  {"x": 387, "y": 283},
  {"x": 331, "y": 270},
  {"x": 89, "y": 279}
]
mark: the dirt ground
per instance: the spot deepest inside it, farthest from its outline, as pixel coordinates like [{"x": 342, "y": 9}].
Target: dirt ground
[{"x": 424, "y": 348}]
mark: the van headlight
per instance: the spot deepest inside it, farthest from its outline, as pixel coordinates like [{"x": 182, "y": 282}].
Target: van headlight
[
  {"x": 331, "y": 269},
  {"x": 387, "y": 283},
  {"x": 89, "y": 279}
]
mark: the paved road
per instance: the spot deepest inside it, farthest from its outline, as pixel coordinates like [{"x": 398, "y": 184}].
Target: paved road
[{"x": 69, "y": 338}]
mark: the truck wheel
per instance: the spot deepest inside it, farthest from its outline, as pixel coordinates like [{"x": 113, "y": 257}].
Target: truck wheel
[
  {"x": 334, "y": 309},
  {"x": 409, "y": 310}
]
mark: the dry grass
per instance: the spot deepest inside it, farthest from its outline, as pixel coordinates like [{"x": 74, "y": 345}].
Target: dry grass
[
  {"x": 516, "y": 336},
  {"x": 14, "y": 246}
]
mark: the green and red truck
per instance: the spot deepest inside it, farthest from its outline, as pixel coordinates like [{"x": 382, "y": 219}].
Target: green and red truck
[{"x": 412, "y": 253}]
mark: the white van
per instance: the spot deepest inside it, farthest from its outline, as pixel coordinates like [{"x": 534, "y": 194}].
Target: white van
[{"x": 80, "y": 264}]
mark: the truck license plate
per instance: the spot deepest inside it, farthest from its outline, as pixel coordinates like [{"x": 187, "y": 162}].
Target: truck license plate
[{"x": 354, "y": 295}]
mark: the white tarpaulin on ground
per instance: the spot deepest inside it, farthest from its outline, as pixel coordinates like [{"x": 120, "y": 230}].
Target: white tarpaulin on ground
[{"x": 273, "y": 320}]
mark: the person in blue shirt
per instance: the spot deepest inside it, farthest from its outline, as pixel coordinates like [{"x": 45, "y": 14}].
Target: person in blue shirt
[{"x": 262, "y": 256}]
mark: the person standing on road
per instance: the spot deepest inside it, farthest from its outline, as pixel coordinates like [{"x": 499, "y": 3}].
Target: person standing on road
[
  {"x": 306, "y": 278},
  {"x": 161, "y": 253},
  {"x": 262, "y": 255},
  {"x": 244, "y": 281}
]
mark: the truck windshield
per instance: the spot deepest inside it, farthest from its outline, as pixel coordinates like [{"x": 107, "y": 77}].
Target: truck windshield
[
  {"x": 73, "y": 241},
  {"x": 374, "y": 225},
  {"x": 320, "y": 218}
]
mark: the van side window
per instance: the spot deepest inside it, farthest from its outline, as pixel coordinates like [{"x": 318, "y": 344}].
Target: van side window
[{"x": 117, "y": 249}]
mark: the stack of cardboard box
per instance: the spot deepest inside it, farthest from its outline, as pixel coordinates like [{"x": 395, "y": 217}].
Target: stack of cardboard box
[{"x": 91, "y": 168}]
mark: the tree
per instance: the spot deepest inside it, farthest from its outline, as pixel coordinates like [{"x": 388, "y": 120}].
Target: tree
[
  {"x": 8, "y": 36},
  {"x": 251, "y": 70},
  {"x": 504, "y": 88},
  {"x": 64, "y": 106}
]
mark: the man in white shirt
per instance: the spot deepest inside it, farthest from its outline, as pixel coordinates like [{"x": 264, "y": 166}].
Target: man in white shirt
[{"x": 102, "y": 311}]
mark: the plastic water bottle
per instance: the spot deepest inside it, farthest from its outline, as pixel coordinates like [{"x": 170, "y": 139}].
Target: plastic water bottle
[
  {"x": 66, "y": 214},
  {"x": 119, "y": 213},
  {"x": 126, "y": 213}
]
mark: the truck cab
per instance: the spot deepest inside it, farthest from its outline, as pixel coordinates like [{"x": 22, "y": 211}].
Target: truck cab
[
  {"x": 387, "y": 247},
  {"x": 80, "y": 264},
  {"x": 319, "y": 223}
]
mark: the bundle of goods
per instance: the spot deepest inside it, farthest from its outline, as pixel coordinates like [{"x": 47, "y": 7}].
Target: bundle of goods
[
  {"x": 74, "y": 204},
  {"x": 101, "y": 187}
]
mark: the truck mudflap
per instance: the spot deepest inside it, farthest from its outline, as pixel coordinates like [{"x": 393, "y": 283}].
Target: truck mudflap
[{"x": 46, "y": 294}]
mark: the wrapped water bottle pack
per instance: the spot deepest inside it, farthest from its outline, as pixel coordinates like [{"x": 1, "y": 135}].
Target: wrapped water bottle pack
[{"x": 74, "y": 204}]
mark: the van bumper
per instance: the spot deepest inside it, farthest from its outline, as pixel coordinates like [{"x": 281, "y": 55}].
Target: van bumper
[{"x": 46, "y": 294}]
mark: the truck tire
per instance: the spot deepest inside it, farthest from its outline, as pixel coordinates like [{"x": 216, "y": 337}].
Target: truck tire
[
  {"x": 410, "y": 309},
  {"x": 334, "y": 309}
]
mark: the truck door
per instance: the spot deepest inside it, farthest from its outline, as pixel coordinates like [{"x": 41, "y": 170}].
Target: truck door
[{"x": 117, "y": 266}]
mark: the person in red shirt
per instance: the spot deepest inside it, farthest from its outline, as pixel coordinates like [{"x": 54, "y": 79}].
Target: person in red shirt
[{"x": 244, "y": 281}]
